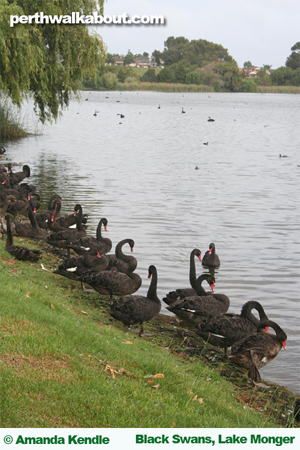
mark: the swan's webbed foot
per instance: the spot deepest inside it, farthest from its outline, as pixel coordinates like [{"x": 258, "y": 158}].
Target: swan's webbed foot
[{"x": 89, "y": 291}]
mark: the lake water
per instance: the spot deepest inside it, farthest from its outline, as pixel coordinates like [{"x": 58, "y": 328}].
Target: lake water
[{"x": 139, "y": 172}]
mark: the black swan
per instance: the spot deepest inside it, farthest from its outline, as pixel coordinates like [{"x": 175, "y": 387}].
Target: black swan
[
  {"x": 228, "y": 328},
  {"x": 186, "y": 292},
  {"x": 62, "y": 239},
  {"x": 123, "y": 263},
  {"x": 183, "y": 111},
  {"x": 201, "y": 308},
  {"x": 258, "y": 349},
  {"x": 25, "y": 229},
  {"x": 20, "y": 176},
  {"x": 52, "y": 222},
  {"x": 2, "y": 150},
  {"x": 70, "y": 219},
  {"x": 211, "y": 259},
  {"x": 86, "y": 264},
  {"x": 136, "y": 308},
  {"x": 21, "y": 253},
  {"x": 18, "y": 206},
  {"x": 54, "y": 206},
  {"x": 103, "y": 245},
  {"x": 111, "y": 282},
  {"x": 210, "y": 119},
  {"x": 199, "y": 292}
]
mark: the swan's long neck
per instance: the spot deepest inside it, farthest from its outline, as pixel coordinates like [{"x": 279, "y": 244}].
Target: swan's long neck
[
  {"x": 119, "y": 252},
  {"x": 199, "y": 288},
  {"x": 193, "y": 277},
  {"x": 32, "y": 218},
  {"x": 152, "y": 291},
  {"x": 79, "y": 220},
  {"x": 99, "y": 229},
  {"x": 246, "y": 312},
  {"x": 5, "y": 205},
  {"x": 56, "y": 209},
  {"x": 9, "y": 240}
]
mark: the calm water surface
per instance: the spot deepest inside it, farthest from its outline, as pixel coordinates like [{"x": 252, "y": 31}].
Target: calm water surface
[{"x": 139, "y": 173}]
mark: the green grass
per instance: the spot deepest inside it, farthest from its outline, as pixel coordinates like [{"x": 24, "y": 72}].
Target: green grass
[{"x": 58, "y": 350}]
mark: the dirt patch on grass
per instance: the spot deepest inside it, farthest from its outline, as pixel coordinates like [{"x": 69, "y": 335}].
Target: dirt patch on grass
[
  {"x": 9, "y": 325},
  {"x": 43, "y": 368},
  {"x": 10, "y": 262}
]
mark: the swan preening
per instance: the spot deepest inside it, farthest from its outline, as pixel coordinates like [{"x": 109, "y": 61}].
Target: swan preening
[{"x": 260, "y": 348}]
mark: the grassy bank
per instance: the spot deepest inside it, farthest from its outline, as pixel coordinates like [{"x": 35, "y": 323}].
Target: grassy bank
[
  {"x": 65, "y": 362},
  {"x": 11, "y": 126}
]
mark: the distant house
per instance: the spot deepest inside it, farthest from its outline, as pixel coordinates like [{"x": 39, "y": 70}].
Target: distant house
[
  {"x": 253, "y": 71},
  {"x": 142, "y": 61},
  {"x": 145, "y": 61},
  {"x": 119, "y": 61}
]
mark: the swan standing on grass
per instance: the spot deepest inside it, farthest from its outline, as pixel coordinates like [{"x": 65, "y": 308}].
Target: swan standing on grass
[{"x": 136, "y": 308}]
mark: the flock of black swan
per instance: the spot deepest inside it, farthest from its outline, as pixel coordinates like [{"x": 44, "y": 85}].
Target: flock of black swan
[{"x": 252, "y": 346}]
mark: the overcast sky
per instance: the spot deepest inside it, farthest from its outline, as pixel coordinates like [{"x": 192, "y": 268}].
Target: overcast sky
[{"x": 260, "y": 31}]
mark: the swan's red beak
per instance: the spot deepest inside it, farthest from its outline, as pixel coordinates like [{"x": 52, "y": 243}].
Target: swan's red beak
[
  {"x": 74, "y": 213},
  {"x": 34, "y": 210},
  {"x": 105, "y": 227},
  {"x": 149, "y": 276},
  {"x": 267, "y": 328},
  {"x": 210, "y": 250},
  {"x": 98, "y": 255},
  {"x": 132, "y": 249},
  {"x": 284, "y": 345},
  {"x": 52, "y": 218},
  {"x": 213, "y": 286},
  {"x": 200, "y": 257},
  {"x": 4, "y": 181}
]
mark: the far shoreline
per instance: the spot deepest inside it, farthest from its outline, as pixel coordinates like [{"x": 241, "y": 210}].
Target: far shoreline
[{"x": 178, "y": 87}]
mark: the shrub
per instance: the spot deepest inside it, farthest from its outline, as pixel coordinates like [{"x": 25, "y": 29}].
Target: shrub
[
  {"x": 109, "y": 80},
  {"x": 149, "y": 76},
  {"x": 193, "y": 78},
  {"x": 248, "y": 85}
]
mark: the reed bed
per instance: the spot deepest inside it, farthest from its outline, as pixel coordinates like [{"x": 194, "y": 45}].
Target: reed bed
[
  {"x": 11, "y": 125},
  {"x": 163, "y": 87},
  {"x": 278, "y": 89}
]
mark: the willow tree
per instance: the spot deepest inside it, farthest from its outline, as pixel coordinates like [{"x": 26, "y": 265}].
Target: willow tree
[{"x": 47, "y": 61}]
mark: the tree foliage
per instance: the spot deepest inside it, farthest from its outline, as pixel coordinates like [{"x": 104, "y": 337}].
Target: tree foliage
[
  {"x": 293, "y": 61},
  {"x": 196, "y": 52},
  {"x": 285, "y": 76},
  {"x": 46, "y": 61},
  {"x": 129, "y": 58},
  {"x": 248, "y": 64}
]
